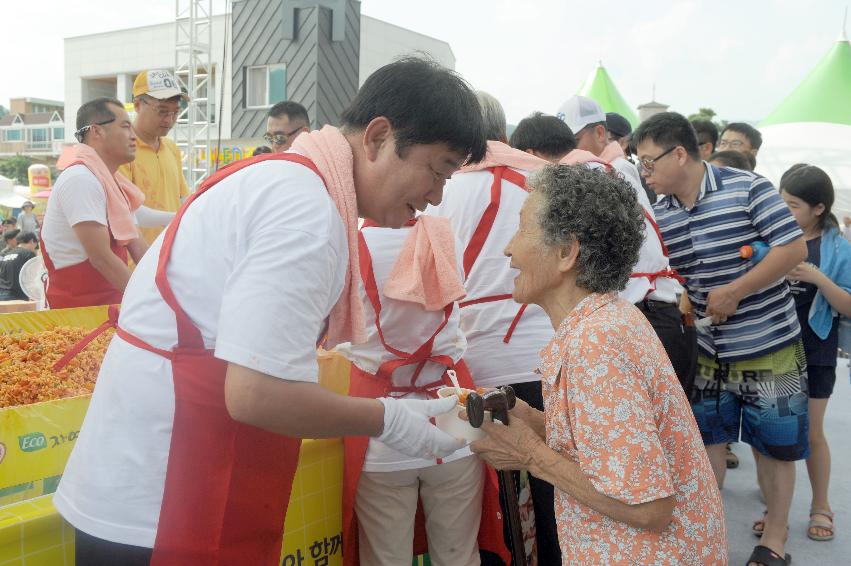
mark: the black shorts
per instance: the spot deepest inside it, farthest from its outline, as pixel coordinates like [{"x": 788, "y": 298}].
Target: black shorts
[
  {"x": 679, "y": 340},
  {"x": 92, "y": 551},
  {"x": 821, "y": 381}
]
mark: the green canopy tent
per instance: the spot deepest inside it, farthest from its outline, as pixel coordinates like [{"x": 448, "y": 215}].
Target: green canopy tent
[
  {"x": 813, "y": 125},
  {"x": 600, "y": 87}
]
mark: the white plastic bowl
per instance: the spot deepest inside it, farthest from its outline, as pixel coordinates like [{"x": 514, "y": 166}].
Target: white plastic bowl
[{"x": 452, "y": 424}]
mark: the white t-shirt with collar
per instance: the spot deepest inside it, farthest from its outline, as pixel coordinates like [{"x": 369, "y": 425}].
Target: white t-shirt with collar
[{"x": 258, "y": 263}]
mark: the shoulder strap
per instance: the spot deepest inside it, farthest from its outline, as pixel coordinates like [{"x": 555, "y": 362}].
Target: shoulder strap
[
  {"x": 371, "y": 288},
  {"x": 483, "y": 229}
]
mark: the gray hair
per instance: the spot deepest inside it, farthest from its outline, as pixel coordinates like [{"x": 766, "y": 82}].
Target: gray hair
[
  {"x": 599, "y": 211},
  {"x": 493, "y": 116}
]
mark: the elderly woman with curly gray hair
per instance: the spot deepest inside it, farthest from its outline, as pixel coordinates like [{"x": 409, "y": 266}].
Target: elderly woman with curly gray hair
[{"x": 617, "y": 437}]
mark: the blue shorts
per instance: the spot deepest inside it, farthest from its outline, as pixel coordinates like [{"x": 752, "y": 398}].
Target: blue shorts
[{"x": 764, "y": 398}]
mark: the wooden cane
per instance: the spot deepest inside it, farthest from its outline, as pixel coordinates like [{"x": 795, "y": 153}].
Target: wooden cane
[{"x": 499, "y": 402}]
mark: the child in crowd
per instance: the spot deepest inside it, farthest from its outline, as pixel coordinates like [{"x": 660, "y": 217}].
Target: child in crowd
[{"x": 822, "y": 289}]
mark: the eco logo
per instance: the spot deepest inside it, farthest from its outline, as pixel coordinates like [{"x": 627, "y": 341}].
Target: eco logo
[{"x": 32, "y": 442}]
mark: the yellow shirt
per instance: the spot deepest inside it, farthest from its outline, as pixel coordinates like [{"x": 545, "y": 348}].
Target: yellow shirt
[{"x": 160, "y": 176}]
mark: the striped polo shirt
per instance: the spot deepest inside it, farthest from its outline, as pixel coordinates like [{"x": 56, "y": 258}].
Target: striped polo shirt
[{"x": 733, "y": 208}]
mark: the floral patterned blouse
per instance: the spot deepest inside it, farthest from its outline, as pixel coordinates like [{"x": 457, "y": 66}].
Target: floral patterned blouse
[{"x": 614, "y": 406}]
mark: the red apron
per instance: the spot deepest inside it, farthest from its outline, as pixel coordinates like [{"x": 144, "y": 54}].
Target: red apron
[
  {"x": 380, "y": 384},
  {"x": 667, "y": 272},
  {"x": 80, "y": 285},
  {"x": 480, "y": 236},
  {"x": 227, "y": 484}
]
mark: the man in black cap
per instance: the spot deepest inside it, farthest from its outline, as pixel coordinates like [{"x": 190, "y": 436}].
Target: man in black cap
[{"x": 619, "y": 130}]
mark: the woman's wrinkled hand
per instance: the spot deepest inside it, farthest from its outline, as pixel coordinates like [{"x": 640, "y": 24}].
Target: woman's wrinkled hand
[{"x": 507, "y": 447}]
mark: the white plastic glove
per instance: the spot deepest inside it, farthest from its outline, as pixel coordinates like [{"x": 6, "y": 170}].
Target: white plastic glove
[{"x": 408, "y": 430}]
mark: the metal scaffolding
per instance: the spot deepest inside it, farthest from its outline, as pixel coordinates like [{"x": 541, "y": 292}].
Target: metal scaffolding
[{"x": 193, "y": 69}]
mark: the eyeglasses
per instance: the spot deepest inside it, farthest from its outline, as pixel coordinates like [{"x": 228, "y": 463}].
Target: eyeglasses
[
  {"x": 647, "y": 165},
  {"x": 82, "y": 131},
  {"x": 281, "y": 139},
  {"x": 162, "y": 113},
  {"x": 735, "y": 144}
]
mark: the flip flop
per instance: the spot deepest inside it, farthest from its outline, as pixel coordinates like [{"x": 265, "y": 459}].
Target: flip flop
[
  {"x": 767, "y": 557},
  {"x": 817, "y": 523}
]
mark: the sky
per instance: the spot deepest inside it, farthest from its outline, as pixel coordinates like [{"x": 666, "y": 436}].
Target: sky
[{"x": 740, "y": 58}]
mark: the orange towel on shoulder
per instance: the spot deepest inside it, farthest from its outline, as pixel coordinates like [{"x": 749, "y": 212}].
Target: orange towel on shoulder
[
  {"x": 426, "y": 271},
  {"x": 122, "y": 197}
]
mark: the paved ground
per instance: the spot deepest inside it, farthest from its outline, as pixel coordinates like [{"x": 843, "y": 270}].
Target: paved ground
[{"x": 743, "y": 505}]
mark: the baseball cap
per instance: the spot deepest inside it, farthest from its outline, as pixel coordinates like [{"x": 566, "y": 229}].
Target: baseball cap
[
  {"x": 617, "y": 125},
  {"x": 158, "y": 84},
  {"x": 579, "y": 111}
]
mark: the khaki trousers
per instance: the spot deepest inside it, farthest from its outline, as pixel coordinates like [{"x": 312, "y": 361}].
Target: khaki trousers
[{"x": 386, "y": 504}]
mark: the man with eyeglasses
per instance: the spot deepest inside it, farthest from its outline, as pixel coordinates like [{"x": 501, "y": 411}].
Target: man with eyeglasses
[
  {"x": 741, "y": 137},
  {"x": 158, "y": 168},
  {"x": 285, "y": 121},
  {"x": 89, "y": 228},
  {"x": 752, "y": 373}
]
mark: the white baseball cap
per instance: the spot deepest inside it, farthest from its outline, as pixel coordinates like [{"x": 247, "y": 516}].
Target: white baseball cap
[{"x": 579, "y": 111}]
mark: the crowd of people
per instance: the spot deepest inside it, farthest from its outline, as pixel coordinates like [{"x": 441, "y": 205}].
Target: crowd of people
[
  {"x": 598, "y": 270},
  {"x": 20, "y": 242}
]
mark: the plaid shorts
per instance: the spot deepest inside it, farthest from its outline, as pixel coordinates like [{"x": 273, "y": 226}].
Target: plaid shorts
[{"x": 764, "y": 398}]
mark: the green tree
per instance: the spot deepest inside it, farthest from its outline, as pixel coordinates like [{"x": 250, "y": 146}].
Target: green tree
[
  {"x": 16, "y": 168},
  {"x": 710, "y": 115}
]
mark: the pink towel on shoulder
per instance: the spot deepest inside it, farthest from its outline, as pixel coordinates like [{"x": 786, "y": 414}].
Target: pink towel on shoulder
[
  {"x": 122, "y": 196},
  {"x": 331, "y": 153},
  {"x": 426, "y": 271},
  {"x": 612, "y": 152},
  {"x": 578, "y": 156},
  {"x": 500, "y": 154}
]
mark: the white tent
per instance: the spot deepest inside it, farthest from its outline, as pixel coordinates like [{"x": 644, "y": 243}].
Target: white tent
[
  {"x": 13, "y": 196},
  {"x": 813, "y": 125}
]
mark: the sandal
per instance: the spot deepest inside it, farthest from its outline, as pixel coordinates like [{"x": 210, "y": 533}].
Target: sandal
[
  {"x": 759, "y": 525},
  {"x": 767, "y": 557},
  {"x": 732, "y": 459},
  {"x": 819, "y": 523}
]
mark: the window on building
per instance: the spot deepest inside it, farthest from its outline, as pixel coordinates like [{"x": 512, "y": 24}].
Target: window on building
[
  {"x": 13, "y": 135},
  {"x": 39, "y": 135},
  {"x": 265, "y": 85},
  {"x": 58, "y": 133}
]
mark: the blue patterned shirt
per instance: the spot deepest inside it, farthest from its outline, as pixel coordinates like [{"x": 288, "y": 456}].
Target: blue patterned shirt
[{"x": 733, "y": 208}]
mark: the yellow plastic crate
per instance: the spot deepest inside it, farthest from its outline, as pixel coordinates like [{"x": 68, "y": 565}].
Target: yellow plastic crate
[
  {"x": 36, "y": 440},
  {"x": 33, "y": 534}
]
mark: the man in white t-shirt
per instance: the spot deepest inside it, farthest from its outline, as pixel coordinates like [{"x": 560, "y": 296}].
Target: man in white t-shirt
[
  {"x": 187, "y": 454},
  {"x": 88, "y": 229}
]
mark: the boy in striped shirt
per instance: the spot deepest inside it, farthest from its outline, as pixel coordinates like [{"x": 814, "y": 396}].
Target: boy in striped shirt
[{"x": 751, "y": 365}]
